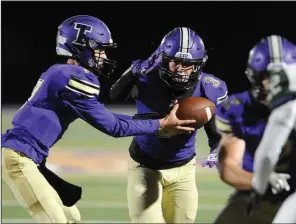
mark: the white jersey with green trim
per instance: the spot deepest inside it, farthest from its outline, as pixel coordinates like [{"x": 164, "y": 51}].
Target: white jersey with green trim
[{"x": 282, "y": 86}]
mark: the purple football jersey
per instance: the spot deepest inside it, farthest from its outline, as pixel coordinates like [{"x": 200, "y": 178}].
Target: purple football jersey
[
  {"x": 246, "y": 119},
  {"x": 62, "y": 94},
  {"x": 156, "y": 96}
]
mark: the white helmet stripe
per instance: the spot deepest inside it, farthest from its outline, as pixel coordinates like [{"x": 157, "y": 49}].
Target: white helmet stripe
[
  {"x": 184, "y": 40},
  {"x": 275, "y": 48}
]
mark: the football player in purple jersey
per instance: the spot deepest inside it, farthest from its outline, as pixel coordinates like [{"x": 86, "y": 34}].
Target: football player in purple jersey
[
  {"x": 64, "y": 93},
  {"x": 161, "y": 174},
  {"x": 242, "y": 120}
]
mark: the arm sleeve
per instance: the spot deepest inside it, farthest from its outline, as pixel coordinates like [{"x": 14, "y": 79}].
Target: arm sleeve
[
  {"x": 124, "y": 88},
  {"x": 216, "y": 91},
  {"x": 280, "y": 124},
  {"x": 81, "y": 97},
  {"x": 213, "y": 135}
]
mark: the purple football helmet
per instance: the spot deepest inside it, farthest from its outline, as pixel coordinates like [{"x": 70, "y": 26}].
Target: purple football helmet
[
  {"x": 270, "y": 53},
  {"x": 79, "y": 36},
  {"x": 183, "y": 46}
]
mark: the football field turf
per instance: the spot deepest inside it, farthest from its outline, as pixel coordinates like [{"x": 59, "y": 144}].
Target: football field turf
[{"x": 97, "y": 162}]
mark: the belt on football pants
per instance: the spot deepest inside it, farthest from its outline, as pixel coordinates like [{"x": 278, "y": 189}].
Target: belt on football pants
[{"x": 144, "y": 159}]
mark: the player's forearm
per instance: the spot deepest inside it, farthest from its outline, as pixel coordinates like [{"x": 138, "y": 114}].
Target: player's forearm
[
  {"x": 230, "y": 156},
  {"x": 213, "y": 135},
  {"x": 279, "y": 126},
  {"x": 121, "y": 127},
  {"x": 263, "y": 167},
  {"x": 102, "y": 119},
  {"x": 236, "y": 176},
  {"x": 266, "y": 157}
]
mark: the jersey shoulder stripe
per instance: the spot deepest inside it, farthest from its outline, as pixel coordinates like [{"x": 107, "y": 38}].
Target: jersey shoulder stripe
[
  {"x": 222, "y": 98},
  {"x": 84, "y": 87},
  {"x": 222, "y": 125}
]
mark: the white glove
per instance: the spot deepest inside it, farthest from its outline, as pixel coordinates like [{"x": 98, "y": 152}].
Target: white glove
[{"x": 278, "y": 182}]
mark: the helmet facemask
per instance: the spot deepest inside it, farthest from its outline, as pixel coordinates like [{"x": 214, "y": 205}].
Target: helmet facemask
[
  {"x": 99, "y": 65},
  {"x": 256, "y": 79},
  {"x": 179, "y": 80}
]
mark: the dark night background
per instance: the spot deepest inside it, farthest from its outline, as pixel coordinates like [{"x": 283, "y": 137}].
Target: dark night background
[{"x": 29, "y": 33}]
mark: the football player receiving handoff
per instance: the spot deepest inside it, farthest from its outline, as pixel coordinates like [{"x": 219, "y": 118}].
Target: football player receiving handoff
[
  {"x": 280, "y": 135},
  {"x": 161, "y": 171},
  {"x": 64, "y": 93},
  {"x": 242, "y": 120}
]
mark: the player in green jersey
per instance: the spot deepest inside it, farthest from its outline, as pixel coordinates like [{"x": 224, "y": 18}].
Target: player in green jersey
[{"x": 275, "y": 57}]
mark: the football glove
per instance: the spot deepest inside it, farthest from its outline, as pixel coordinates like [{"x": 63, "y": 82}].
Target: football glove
[
  {"x": 140, "y": 67},
  {"x": 212, "y": 159},
  {"x": 279, "y": 182}
]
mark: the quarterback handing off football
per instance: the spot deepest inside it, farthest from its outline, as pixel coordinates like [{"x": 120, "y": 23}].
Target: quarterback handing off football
[{"x": 196, "y": 108}]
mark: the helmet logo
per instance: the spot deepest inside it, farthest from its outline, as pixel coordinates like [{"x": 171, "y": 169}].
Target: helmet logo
[
  {"x": 183, "y": 55},
  {"x": 82, "y": 29}
]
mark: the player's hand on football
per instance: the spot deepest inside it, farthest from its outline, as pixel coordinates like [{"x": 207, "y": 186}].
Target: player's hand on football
[
  {"x": 140, "y": 67},
  {"x": 279, "y": 182},
  {"x": 211, "y": 159},
  {"x": 173, "y": 125}
]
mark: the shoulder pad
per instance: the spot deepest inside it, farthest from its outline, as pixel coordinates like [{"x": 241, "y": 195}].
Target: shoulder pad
[
  {"x": 76, "y": 79},
  {"x": 215, "y": 89},
  {"x": 234, "y": 104},
  {"x": 229, "y": 111},
  {"x": 223, "y": 120}
]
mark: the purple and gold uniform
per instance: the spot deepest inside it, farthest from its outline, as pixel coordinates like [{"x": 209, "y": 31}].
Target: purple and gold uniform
[
  {"x": 161, "y": 174},
  {"x": 164, "y": 149},
  {"x": 245, "y": 118},
  {"x": 63, "y": 93}
]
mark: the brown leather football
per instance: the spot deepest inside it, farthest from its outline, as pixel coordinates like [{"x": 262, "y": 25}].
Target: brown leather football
[{"x": 196, "y": 108}]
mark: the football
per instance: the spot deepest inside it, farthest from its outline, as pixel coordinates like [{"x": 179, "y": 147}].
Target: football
[{"x": 196, "y": 108}]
